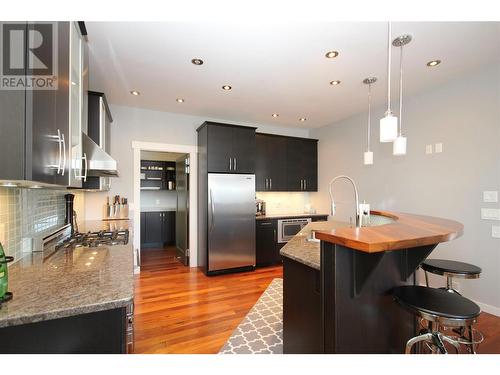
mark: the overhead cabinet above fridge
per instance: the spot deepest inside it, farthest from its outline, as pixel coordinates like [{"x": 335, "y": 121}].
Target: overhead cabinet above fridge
[
  {"x": 41, "y": 140},
  {"x": 232, "y": 148}
]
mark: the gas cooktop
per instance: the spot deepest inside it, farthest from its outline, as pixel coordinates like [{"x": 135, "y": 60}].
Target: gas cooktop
[{"x": 96, "y": 239}]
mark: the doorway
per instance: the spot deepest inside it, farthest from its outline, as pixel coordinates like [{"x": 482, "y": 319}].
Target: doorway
[
  {"x": 164, "y": 203},
  {"x": 164, "y": 206}
]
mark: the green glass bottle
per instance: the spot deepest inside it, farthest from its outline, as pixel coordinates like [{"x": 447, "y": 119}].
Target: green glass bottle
[{"x": 4, "y": 275}]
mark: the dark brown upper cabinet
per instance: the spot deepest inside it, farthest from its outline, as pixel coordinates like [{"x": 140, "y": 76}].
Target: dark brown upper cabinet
[
  {"x": 41, "y": 128},
  {"x": 229, "y": 148},
  {"x": 270, "y": 162},
  {"x": 302, "y": 164}
]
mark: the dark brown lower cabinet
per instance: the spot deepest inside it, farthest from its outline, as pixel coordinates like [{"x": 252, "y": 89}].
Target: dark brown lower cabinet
[
  {"x": 301, "y": 308},
  {"x": 102, "y": 332},
  {"x": 157, "y": 228},
  {"x": 267, "y": 248}
]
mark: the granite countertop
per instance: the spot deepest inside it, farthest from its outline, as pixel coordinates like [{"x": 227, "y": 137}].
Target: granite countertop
[
  {"x": 286, "y": 216},
  {"x": 157, "y": 209},
  {"x": 307, "y": 252},
  {"x": 66, "y": 282}
]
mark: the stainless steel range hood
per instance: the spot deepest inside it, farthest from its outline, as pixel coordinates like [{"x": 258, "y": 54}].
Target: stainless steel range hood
[{"x": 100, "y": 163}]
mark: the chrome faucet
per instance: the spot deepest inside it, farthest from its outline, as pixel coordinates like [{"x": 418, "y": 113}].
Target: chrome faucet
[{"x": 356, "y": 197}]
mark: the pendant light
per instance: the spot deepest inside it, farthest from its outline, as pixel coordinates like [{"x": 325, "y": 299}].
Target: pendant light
[
  {"x": 389, "y": 123},
  {"x": 399, "y": 145},
  {"x": 368, "y": 155}
]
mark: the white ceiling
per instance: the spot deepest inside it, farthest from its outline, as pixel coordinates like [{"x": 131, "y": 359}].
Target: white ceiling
[{"x": 276, "y": 67}]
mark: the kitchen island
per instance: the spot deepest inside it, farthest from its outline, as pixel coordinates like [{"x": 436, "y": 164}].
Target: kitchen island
[
  {"x": 337, "y": 292},
  {"x": 70, "y": 300}
]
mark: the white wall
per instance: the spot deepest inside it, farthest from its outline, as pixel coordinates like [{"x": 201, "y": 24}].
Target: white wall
[
  {"x": 465, "y": 116},
  {"x": 135, "y": 124}
]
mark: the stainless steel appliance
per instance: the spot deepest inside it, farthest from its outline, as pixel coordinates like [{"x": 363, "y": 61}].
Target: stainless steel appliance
[
  {"x": 260, "y": 207},
  {"x": 231, "y": 221},
  {"x": 287, "y": 228}
]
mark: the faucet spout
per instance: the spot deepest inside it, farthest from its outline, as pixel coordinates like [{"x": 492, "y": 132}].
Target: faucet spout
[{"x": 356, "y": 197}]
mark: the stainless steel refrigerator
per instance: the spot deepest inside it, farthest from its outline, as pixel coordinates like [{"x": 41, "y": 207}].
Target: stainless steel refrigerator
[{"x": 231, "y": 221}]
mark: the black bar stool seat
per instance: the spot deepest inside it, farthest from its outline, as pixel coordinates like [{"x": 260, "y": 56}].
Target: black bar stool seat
[
  {"x": 453, "y": 268},
  {"x": 437, "y": 303},
  {"x": 439, "y": 308}
]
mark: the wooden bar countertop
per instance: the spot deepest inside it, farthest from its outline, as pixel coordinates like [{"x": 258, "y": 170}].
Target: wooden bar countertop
[{"x": 405, "y": 232}]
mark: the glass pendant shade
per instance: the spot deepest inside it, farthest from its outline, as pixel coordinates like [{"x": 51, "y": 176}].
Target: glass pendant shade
[
  {"x": 368, "y": 158},
  {"x": 399, "y": 146},
  {"x": 388, "y": 128}
]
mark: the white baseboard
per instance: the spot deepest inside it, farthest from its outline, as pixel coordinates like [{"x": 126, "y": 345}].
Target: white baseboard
[
  {"x": 494, "y": 310},
  {"x": 489, "y": 309}
]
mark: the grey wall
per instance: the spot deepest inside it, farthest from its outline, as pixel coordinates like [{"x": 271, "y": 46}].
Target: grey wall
[
  {"x": 135, "y": 124},
  {"x": 465, "y": 116}
]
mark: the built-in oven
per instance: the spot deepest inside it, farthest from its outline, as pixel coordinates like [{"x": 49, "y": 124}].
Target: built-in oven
[{"x": 287, "y": 228}]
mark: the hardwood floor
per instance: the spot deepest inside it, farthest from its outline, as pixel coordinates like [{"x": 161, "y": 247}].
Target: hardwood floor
[{"x": 180, "y": 310}]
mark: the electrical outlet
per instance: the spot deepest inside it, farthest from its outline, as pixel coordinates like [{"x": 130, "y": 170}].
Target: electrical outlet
[
  {"x": 490, "y": 213},
  {"x": 490, "y": 196},
  {"x": 428, "y": 149},
  {"x": 157, "y": 201},
  {"x": 438, "y": 148},
  {"x": 495, "y": 231}
]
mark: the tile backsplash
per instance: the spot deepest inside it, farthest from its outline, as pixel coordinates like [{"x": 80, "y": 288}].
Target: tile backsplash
[
  {"x": 25, "y": 213},
  {"x": 278, "y": 203}
]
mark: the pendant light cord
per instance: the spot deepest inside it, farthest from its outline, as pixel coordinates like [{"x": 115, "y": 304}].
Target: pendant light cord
[
  {"x": 369, "y": 112},
  {"x": 401, "y": 92},
  {"x": 389, "y": 29}
]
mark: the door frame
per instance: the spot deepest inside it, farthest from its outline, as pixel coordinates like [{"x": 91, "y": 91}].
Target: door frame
[{"x": 139, "y": 146}]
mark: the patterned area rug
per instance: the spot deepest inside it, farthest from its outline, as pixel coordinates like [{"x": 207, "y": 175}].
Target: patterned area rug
[{"x": 261, "y": 332}]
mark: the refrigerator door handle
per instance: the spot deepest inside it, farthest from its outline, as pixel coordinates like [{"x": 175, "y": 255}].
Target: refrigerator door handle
[{"x": 212, "y": 209}]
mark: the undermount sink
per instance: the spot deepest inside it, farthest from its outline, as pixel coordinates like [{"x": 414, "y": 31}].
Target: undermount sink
[{"x": 376, "y": 220}]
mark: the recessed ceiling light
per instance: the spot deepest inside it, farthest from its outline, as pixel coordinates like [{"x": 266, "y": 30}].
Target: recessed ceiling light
[
  {"x": 335, "y": 83},
  {"x": 433, "y": 63},
  {"x": 226, "y": 87},
  {"x": 197, "y": 61},
  {"x": 135, "y": 93},
  {"x": 275, "y": 114},
  {"x": 302, "y": 119},
  {"x": 179, "y": 100},
  {"x": 331, "y": 54}
]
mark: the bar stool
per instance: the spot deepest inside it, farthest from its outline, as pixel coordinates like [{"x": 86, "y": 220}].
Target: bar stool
[
  {"x": 450, "y": 269},
  {"x": 440, "y": 309}
]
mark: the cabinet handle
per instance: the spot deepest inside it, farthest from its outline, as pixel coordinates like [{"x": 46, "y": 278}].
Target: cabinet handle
[
  {"x": 268, "y": 223},
  {"x": 86, "y": 167},
  {"x": 301, "y": 184},
  {"x": 230, "y": 164},
  {"x": 265, "y": 184},
  {"x": 64, "y": 154},
  {"x": 305, "y": 184},
  {"x": 235, "y": 164},
  {"x": 275, "y": 238},
  {"x": 270, "y": 184}
]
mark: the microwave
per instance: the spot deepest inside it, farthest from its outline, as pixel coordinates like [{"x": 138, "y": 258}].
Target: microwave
[{"x": 287, "y": 228}]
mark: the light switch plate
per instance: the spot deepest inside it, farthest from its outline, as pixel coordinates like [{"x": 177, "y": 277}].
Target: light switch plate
[
  {"x": 495, "y": 231},
  {"x": 490, "y": 213},
  {"x": 428, "y": 149},
  {"x": 438, "y": 148},
  {"x": 490, "y": 196}
]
